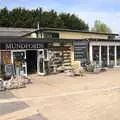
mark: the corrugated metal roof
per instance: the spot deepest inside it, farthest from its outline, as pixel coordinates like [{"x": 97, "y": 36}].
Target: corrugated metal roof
[{"x": 7, "y": 31}]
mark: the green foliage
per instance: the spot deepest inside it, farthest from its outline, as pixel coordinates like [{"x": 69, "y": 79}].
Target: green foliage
[
  {"x": 101, "y": 27},
  {"x": 21, "y": 17},
  {"x": 73, "y": 22},
  {"x": 4, "y": 17}
]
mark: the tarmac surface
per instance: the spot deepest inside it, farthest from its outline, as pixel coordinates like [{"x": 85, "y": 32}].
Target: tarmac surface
[{"x": 60, "y": 97}]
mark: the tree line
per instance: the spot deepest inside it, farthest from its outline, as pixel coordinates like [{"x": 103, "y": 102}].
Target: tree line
[{"x": 25, "y": 18}]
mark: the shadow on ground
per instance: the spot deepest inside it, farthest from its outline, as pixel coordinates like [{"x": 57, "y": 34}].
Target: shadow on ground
[
  {"x": 35, "y": 117},
  {"x": 6, "y": 95},
  {"x": 10, "y": 107}
]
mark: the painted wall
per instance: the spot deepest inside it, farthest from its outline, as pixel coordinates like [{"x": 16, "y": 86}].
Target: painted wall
[
  {"x": 32, "y": 35},
  {"x": 78, "y": 35},
  {"x": 73, "y": 35}
]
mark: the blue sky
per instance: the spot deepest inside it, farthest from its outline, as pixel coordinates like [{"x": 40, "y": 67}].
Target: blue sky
[{"x": 108, "y": 11}]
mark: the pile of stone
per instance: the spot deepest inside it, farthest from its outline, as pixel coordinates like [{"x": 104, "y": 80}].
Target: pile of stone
[
  {"x": 93, "y": 68},
  {"x": 14, "y": 83},
  {"x": 75, "y": 72},
  {"x": 1, "y": 85}
]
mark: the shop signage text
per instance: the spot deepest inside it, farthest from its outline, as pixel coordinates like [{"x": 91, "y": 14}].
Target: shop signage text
[
  {"x": 81, "y": 50},
  {"x": 10, "y": 46}
]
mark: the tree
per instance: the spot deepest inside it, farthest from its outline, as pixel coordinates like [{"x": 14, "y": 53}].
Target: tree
[
  {"x": 73, "y": 22},
  {"x": 101, "y": 27},
  {"x": 4, "y": 17},
  {"x": 21, "y": 17}
]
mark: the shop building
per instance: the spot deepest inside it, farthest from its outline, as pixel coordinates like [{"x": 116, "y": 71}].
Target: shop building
[
  {"x": 43, "y": 51},
  {"x": 102, "y": 49}
]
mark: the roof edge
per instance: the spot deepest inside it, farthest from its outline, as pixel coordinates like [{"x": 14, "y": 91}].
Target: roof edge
[{"x": 71, "y": 30}]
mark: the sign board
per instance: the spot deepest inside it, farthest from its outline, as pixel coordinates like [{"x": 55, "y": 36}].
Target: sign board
[
  {"x": 9, "y": 70},
  {"x": 15, "y": 46},
  {"x": 81, "y": 50}
]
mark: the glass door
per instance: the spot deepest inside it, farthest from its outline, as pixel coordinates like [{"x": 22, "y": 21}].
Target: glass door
[
  {"x": 19, "y": 62},
  {"x": 40, "y": 62}
]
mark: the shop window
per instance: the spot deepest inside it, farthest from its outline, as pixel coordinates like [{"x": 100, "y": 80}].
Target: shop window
[
  {"x": 46, "y": 54},
  {"x": 5, "y": 58},
  {"x": 39, "y": 34},
  {"x": 104, "y": 56},
  {"x": 19, "y": 63},
  {"x": 118, "y": 55},
  {"x": 111, "y": 37},
  {"x": 51, "y": 35},
  {"x": 96, "y": 54},
  {"x": 111, "y": 55}
]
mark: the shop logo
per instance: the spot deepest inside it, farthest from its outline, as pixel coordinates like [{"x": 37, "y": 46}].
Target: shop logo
[{"x": 23, "y": 46}]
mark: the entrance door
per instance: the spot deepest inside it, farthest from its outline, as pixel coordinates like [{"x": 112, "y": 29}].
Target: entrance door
[
  {"x": 31, "y": 58},
  {"x": 19, "y": 61},
  {"x": 40, "y": 62}
]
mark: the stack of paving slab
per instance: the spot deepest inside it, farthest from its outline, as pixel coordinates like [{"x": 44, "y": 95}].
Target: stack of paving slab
[{"x": 14, "y": 83}]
